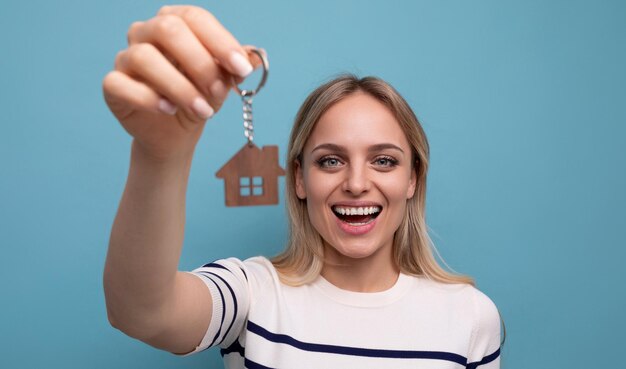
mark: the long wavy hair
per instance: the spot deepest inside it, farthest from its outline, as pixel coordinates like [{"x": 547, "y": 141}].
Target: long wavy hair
[{"x": 302, "y": 261}]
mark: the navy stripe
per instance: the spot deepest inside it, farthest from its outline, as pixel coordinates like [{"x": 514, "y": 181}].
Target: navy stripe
[
  {"x": 252, "y": 365},
  {"x": 232, "y": 293},
  {"x": 223, "y": 311},
  {"x": 354, "y": 351},
  {"x": 235, "y": 347},
  {"x": 214, "y": 265},
  {"x": 486, "y": 360}
]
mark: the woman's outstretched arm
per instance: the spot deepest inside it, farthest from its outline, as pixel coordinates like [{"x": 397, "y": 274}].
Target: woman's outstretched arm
[
  {"x": 174, "y": 75},
  {"x": 146, "y": 297}
]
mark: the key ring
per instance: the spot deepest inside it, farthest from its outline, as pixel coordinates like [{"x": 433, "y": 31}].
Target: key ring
[{"x": 266, "y": 70}]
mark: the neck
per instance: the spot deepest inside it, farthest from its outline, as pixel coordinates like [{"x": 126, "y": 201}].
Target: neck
[{"x": 374, "y": 273}]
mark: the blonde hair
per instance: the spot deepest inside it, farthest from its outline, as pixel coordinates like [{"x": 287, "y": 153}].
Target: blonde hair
[{"x": 302, "y": 261}]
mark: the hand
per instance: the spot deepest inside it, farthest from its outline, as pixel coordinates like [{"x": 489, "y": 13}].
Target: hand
[{"x": 175, "y": 74}]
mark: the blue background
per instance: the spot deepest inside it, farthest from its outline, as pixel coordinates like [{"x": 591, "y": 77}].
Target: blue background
[{"x": 524, "y": 104}]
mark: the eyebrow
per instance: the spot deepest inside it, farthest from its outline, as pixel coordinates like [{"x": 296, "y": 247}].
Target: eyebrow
[{"x": 373, "y": 148}]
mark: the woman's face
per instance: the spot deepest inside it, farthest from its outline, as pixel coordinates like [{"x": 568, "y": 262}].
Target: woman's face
[{"x": 356, "y": 176}]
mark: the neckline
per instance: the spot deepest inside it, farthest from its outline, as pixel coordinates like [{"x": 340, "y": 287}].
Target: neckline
[{"x": 365, "y": 299}]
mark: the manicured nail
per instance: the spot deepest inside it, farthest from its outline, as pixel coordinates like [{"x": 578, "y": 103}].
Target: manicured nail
[
  {"x": 240, "y": 64},
  {"x": 218, "y": 88},
  {"x": 167, "y": 107},
  {"x": 264, "y": 52},
  {"x": 202, "y": 108}
]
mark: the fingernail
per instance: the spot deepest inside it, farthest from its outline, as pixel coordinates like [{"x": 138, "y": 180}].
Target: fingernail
[
  {"x": 218, "y": 89},
  {"x": 265, "y": 53},
  {"x": 167, "y": 107},
  {"x": 240, "y": 64},
  {"x": 202, "y": 108}
]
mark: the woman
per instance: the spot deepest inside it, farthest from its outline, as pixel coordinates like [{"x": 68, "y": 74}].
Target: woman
[{"x": 357, "y": 285}]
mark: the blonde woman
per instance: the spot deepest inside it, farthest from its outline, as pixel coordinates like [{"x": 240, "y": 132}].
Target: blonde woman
[{"x": 357, "y": 285}]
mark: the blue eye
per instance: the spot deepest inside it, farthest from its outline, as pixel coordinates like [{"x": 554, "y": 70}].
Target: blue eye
[
  {"x": 328, "y": 162},
  {"x": 385, "y": 161}
]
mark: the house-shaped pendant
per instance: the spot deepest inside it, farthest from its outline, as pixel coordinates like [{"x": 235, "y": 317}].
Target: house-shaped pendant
[{"x": 251, "y": 176}]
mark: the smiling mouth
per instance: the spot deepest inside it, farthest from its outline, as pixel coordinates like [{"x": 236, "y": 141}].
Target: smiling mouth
[{"x": 356, "y": 215}]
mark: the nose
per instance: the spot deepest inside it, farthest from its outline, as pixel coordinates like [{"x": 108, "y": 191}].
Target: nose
[{"x": 357, "y": 180}]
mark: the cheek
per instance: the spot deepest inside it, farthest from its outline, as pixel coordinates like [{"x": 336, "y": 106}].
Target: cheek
[
  {"x": 318, "y": 186},
  {"x": 319, "y": 189},
  {"x": 394, "y": 189}
]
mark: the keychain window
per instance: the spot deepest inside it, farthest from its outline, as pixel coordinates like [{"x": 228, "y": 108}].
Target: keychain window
[{"x": 251, "y": 186}]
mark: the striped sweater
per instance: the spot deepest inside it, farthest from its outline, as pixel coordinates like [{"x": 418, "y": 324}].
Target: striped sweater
[{"x": 258, "y": 322}]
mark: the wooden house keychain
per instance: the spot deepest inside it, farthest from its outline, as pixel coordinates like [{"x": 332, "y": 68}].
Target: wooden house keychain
[{"x": 251, "y": 175}]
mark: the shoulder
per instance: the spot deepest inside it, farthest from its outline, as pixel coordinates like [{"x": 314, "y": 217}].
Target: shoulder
[
  {"x": 256, "y": 272},
  {"x": 261, "y": 269},
  {"x": 252, "y": 274},
  {"x": 474, "y": 304},
  {"x": 458, "y": 295},
  {"x": 260, "y": 264},
  {"x": 238, "y": 276},
  {"x": 257, "y": 266},
  {"x": 468, "y": 303},
  {"x": 471, "y": 298},
  {"x": 485, "y": 342},
  {"x": 485, "y": 309}
]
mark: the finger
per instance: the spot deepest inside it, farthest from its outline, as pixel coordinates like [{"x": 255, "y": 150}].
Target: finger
[
  {"x": 254, "y": 59},
  {"x": 220, "y": 43},
  {"x": 220, "y": 88},
  {"x": 174, "y": 38},
  {"x": 125, "y": 95},
  {"x": 146, "y": 63}
]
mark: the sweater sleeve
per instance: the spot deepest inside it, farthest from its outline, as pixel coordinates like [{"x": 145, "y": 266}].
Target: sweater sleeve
[
  {"x": 485, "y": 345},
  {"x": 228, "y": 285}
]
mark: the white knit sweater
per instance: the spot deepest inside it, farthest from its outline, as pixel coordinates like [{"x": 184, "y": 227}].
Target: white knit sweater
[{"x": 261, "y": 323}]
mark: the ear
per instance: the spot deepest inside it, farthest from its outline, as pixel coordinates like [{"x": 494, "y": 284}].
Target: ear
[
  {"x": 412, "y": 182},
  {"x": 299, "y": 180}
]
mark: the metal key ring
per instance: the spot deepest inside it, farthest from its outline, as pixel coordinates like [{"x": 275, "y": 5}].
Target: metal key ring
[{"x": 266, "y": 69}]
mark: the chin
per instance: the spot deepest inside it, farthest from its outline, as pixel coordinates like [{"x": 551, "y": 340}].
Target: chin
[{"x": 353, "y": 251}]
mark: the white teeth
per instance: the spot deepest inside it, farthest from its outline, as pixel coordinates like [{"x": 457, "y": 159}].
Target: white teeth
[{"x": 367, "y": 210}]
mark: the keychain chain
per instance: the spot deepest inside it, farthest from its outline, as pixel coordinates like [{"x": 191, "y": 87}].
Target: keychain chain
[
  {"x": 247, "y": 95},
  {"x": 248, "y": 127}
]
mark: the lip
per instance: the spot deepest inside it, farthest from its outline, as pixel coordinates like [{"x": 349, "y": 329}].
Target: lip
[
  {"x": 355, "y": 230},
  {"x": 356, "y": 204},
  {"x": 351, "y": 229}
]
